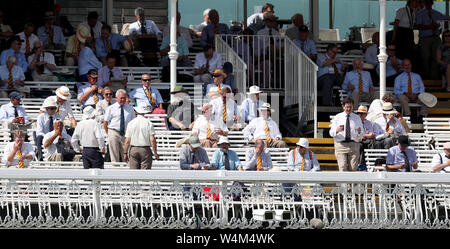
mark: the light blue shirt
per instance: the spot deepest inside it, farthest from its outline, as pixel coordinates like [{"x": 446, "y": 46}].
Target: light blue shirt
[
  {"x": 401, "y": 84},
  {"x": 43, "y": 123},
  {"x": 218, "y": 160},
  {"x": 103, "y": 75},
  {"x": 390, "y": 69},
  {"x": 17, "y": 74},
  {"x": 423, "y": 18},
  {"x": 115, "y": 42},
  {"x": 82, "y": 89},
  {"x": 208, "y": 33},
  {"x": 58, "y": 36},
  {"x": 140, "y": 96},
  {"x": 327, "y": 69},
  {"x": 309, "y": 48},
  {"x": 21, "y": 60},
  {"x": 295, "y": 162},
  {"x": 112, "y": 115},
  {"x": 87, "y": 61},
  {"x": 250, "y": 159},
  {"x": 395, "y": 157},
  {"x": 250, "y": 109},
  {"x": 182, "y": 47},
  {"x": 7, "y": 113},
  {"x": 353, "y": 78}
]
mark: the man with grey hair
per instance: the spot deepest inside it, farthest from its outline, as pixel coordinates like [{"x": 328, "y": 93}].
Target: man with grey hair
[
  {"x": 115, "y": 122},
  {"x": 297, "y": 21},
  {"x": 102, "y": 105},
  {"x": 42, "y": 64},
  {"x": 143, "y": 26},
  {"x": 199, "y": 28},
  {"x": 11, "y": 76}
]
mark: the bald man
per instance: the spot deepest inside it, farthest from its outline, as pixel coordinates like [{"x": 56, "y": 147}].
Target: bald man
[
  {"x": 358, "y": 84},
  {"x": 297, "y": 21}
]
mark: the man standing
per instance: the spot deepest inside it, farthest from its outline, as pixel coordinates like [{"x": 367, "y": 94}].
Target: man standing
[
  {"x": 117, "y": 117},
  {"x": 329, "y": 74},
  {"x": 305, "y": 44},
  {"x": 89, "y": 136},
  {"x": 143, "y": 26},
  {"x": 427, "y": 22},
  {"x": 18, "y": 153},
  {"x": 212, "y": 29},
  {"x": 103, "y": 104},
  {"x": 90, "y": 93},
  {"x": 347, "y": 131},
  {"x": 193, "y": 156},
  {"x": 403, "y": 36},
  {"x": 251, "y": 104},
  {"x": 258, "y": 158},
  {"x": 148, "y": 95},
  {"x": 440, "y": 161},
  {"x": 359, "y": 84},
  {"x": 138, "y": 138},
  {"x": 401, "y": 158},
  {"x": 42, "y": 64}
]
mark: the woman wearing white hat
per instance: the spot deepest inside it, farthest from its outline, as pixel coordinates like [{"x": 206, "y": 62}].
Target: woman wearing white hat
[
  {"x": 302, "y": 158},
  {"x": 251, "y": 104},
  {"x": 63, "y": 107},
  {"x": 224, "y": 158},
  {"x": 387, "y": 128}
]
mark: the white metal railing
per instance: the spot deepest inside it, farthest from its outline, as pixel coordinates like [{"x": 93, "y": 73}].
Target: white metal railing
[
  {"x": 239, "y": 65},
  {"x": 221, "y": 199}
]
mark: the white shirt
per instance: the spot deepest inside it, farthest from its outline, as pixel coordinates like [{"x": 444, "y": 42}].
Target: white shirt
[
  {"x": 97, "y": 29},
  {"x": 184, "y": 32},
  {"x": 214, "y": 63},
  {"x": 150, "y": 26},
  {"x": 47, "y": 57},
  {"x": 139, "y": 131},
  {"x": 375, "y": 110},
  {"x": 255, "y": 18},
  {"x": 200, "y": 126},
  {"x": 437, "y": 160},
  {"x": 112, "y": 115},
  {"x": 256, "y": 129},
  {"x": 379, "y": 127},
  {"x": 295, "y": 162},
  {"x": 32, "y": 39},
  {"x": 87, "y": 134},
  {"x": 7, "y": 113},
  {"x": 43, "y": 123},
  {"x": 355, "y": 123},
  {"x": 65, "y": 110},
  {"x": 100, "y": 109},
  {"x": 405, "y": 17},
  {"x": 50, "y": 150},
  {"x": 231, "y": 108},
  {"x": 27, "y": 149}
]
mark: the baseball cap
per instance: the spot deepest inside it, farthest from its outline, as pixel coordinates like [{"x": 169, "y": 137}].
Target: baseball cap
[
  {"x": 15, "y": 95},
  {"x": 194, "y": 141},
  {"x": 403, "y": 140}
]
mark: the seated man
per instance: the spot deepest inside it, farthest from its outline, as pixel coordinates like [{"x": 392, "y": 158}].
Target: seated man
[
  {"x": 50, "y": 35},
  {"x": 184, "y": 32},
  {"x": 207, "y": 130},
  {"x": 199, "y": 28},
  {"x": 92, "y": 24},
  {"x": 193, "y": 156},
  {"x": 266, "y": 127},
  {"x": 302, "y": 158},
  {"x": 440, "y": 161},
  {"x": 18, "y": 153},
  {"x": 401, "y": 158},
  {"x": 393, "y": 66},
  {"x": 329, "y": 74},
  {"x": 57, "y": 144},
  {"x": 213, "y": 90},
  {"x": 229, "y": 78},
  {"x": 14, "y": 50},
  {"x": 90, "y": 93},
  {"x": 42, "y": 64},
  {"x": 143, "y": 26},
  {"x": 13, "y": 114},
  {"x": 387, "y": 128},
  {"x": 110, "y": 72},
  {"x": 102, "y": 105},
  {"x": 251, "y": 104},
  {"x": 305, "y": 44},
  {"x": 29, "y": 38},
  {"x": 214, "y": 27},
  {"x": 297, "y": 22},
  {"x": 12, "y": 78},
  {"x": 64, "y": 108},
  {"x": 205, "y": 63},
  {"x": 87, "y": 61},
  {"x": 75, "y": 44},
  {"x": 225, "y": 108},
  {"x": 108, "y": 44},
  {"x": 182, "y": 49},
  {"x": 148, "y": 95},
  {"x": 376, "y": 110},
  {"x": 258, "y": 158},
  {"x": 180, "y": 112},
  {"x": 359, "y": 84},
  {"x": 408, "y": 86},
  {"x": 45, "y": 123},
  {"x": 224, "y": 158}
]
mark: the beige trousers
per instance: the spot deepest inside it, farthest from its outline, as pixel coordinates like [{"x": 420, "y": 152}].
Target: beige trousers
[
  {"x": 347, "y": 155},
  {"x": 140, "y": 158},
  {"x": 58, "y": 157},
  {"x": 404, "y": 102},
  {"x": 115, "y": 143},
  {"x": 365, "y": 97}
]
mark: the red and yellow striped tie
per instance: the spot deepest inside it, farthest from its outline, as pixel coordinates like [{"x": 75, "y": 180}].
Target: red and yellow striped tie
[
  {"x": 27, "y": 46},
  {"x": 57, "y": 109},
  {"x": 409, "y": 84},
  {"x": 360, "y": 86},
  {"x": 224, "y": 112},
  {"x": 266, "y": 129},
  {"x": 259, "y": 164},
  {"x": 150, "y": 96},
  {"x": 302, "y": 168},
  {"x": 10, "y": 80},
  {"x": 108, "y": 47},
  {"x": 95, "y": 98},
  {"x": 21, "y": 163},
  {"x": 218, "y": 88},
  {"x": 208, "y": 131}
]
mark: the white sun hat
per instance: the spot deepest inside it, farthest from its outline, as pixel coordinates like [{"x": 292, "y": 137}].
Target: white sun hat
[{"x": 428, "y": 99}]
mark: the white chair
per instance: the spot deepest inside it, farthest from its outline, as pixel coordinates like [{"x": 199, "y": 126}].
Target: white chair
[
  {"x": 366, "y": 34},
  {"x": 329, "y": 35}
]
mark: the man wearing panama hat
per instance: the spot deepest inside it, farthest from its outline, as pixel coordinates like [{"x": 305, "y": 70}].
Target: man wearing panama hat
[
  {"x": 368, "y": 138},
  {"x": 62, "y": 98},
  {"x": 180, "y": 112},
  {"x": 387, "y": 128},
  {"x": 224, "y": 158},
  {"x": 251, "y": 104}
]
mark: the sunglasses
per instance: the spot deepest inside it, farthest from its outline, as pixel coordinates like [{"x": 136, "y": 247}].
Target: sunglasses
[
  {"x": 146, "y": 80},
  {"x": 216, "y": 75},
  {"x": 108, "y": 94},
  {"x": 51, "y": 108}
]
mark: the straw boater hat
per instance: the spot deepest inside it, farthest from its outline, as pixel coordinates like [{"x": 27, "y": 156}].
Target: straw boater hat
[
  {"x": 428, "y": 99},
  {"x": 83, "y": 33},
  {"x": 254, "y": 90},
  {"x": 361, "y": 109},
  {"x": 388, "y": 109},
  {"x": 63, "y": 92}
]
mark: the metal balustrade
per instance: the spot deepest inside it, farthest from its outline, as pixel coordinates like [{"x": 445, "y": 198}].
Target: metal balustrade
[{"x": 221, "y": 199}]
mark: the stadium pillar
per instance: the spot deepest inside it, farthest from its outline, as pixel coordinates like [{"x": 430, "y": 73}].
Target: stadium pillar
[
  {"x": 314, "y": 18},
  {"x": 382, "y": 57},
  {"x": 173, "y": 54}
]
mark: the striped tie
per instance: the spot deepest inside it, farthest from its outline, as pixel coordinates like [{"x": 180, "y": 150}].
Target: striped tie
[
  {"x": 266, "y": 129},
  {"x": 259, "y": 164},
  {"x": 21, "y": 163},
  {"x": 27, "y": 46},
  {"x": 395, "y": 66},
  {"x": 360, "y": 86},
  {"x": 152, "y": 100},
  {"x": 108, "y": 48},
  {"x": 57, "y": 109},
  {"x": 50, "y": 37},
  {"x": 218, "y": 88},
  {"x": 224, "y": 112},
  {"x": 95, "y": 98},
  {"x": 409, "y": 84},
  {"x": 302, "y": 168},
  {"x": 208, "y": 131},
  {"x": 10, "y": 80}
]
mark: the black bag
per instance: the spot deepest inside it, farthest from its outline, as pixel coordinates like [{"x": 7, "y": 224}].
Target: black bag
[
  {"x": 380, "y": 161},
  {"x": 68, "y": 154}
]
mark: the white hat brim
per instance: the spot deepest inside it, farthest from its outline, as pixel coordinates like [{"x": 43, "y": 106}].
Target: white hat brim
[{"x": 433, "y": 101}]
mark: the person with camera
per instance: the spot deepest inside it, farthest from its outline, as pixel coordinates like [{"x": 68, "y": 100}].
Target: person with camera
[
  {"x": 387, "y": 128},
  {"x": 42, "y": 64},
  {"x": 57, "y": 145},
  {"x": 18, "y": 153}
]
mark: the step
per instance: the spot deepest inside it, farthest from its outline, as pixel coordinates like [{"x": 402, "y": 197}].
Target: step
[
  {"x": 439, "y": 111},
  {"x": 441, "y": 95},
  {"x": 326, "y": 157},
  {"x": 294, "y": 140},
  {"x": 432, "y": 83},
  {"x": 323, "y": 125}
]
